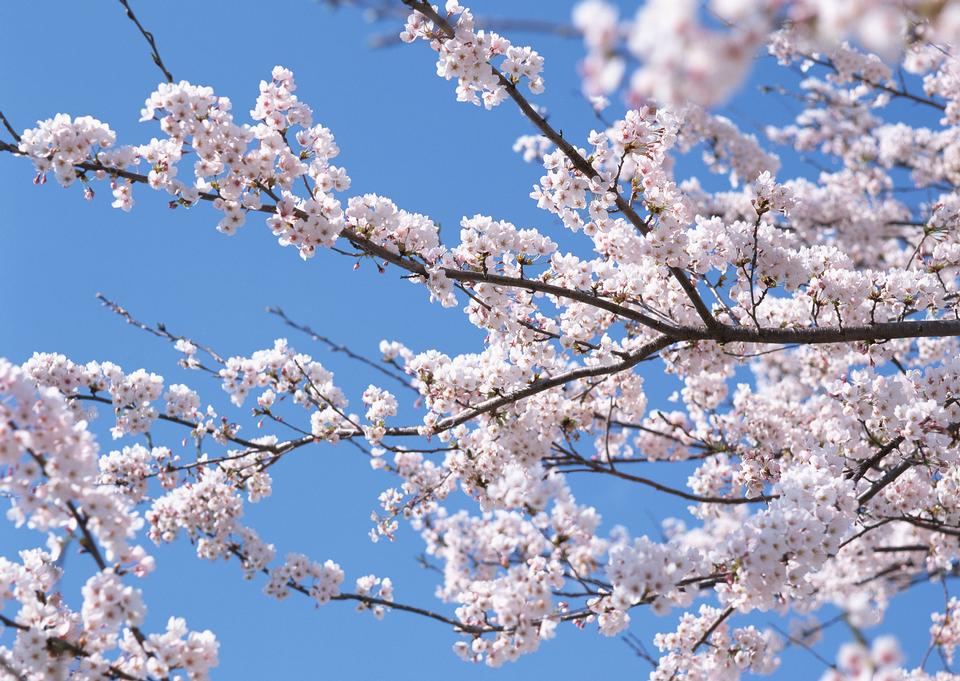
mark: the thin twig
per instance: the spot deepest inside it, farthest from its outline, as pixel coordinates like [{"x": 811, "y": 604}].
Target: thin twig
[
  {"x": 338, "y": 347},
  {"x": 9, "y": 127},
  {"x": 150, "y": 41},
  {"x": 713, "y": 627}
]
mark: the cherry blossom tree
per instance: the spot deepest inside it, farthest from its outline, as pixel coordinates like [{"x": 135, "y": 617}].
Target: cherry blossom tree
[{"x": 813, "y": 324}]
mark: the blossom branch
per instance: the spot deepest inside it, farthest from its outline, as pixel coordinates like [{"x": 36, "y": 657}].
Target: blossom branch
[
  {"x": 594, "y": 467},
  {"x": 57, "y": 645},
  {"x": 579, "y": 162},
  {"x": 337, "y": 347},
  {"x": 716, "y": 332}
]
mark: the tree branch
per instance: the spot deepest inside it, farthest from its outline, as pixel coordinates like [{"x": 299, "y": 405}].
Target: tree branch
[
  {"x": 150, "y": 41},
  {"x": 578, "y": 161}
]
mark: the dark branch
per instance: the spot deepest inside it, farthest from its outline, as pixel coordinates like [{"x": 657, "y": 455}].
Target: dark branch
[{"x": 150, "y": 41}]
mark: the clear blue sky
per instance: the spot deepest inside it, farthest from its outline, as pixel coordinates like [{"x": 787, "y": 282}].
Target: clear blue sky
[{"x": 403, "y": 135}]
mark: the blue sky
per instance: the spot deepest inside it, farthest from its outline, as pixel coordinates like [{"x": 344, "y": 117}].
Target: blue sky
[{"x": 403, "y": 135}]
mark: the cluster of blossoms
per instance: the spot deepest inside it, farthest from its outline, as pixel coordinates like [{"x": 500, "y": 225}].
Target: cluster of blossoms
[
  {"x": 726, "y": 653},
  {"x": 182, "y": 402},
  {"x": 380, "y": 405},
  {"x": 384, "y": 592},
  {"x": 236, "y": 165},
  {"x": 178, "y": 648},
  {"x": 487, "y": 244},
  {"x": 729, "y": 149},
  {"x": 647, "y": 572},
  {"x": 132, "y": 467},
  {"x": 772, "y": 562},
  {"x": 207, "y": 510},
  {"x": 685, "y": 52},
  {"x": 425, "y": 485},
  {"x": 51, "y": 468},
  {"x": 467, "y": 54},
  {"x": 108, "y": 604},
  {"x": 945, "y": 629},
  {"x": 282, "y": 371},
  {"x": 279, "y": 369},
  {"x": 50, "y": 630},
  {"x": 881, "y": 662},
  {"x": 56, "y": 482},
  {"x": 61, "y": 142},
  {"x": 321, "y": 582},
  {"x": 532, "y": 147},
  {"x": 520, "y": 602}
]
